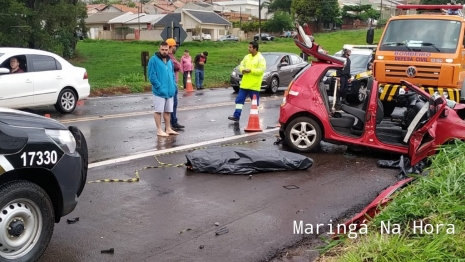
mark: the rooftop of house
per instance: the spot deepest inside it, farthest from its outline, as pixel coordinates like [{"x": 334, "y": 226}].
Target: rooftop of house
[
  {"x": 102, "y": 17},
  {"x": 207, "y": 17}
]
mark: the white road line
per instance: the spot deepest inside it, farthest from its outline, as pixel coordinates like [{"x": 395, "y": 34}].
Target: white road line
[{"x": 169, "y": 150}]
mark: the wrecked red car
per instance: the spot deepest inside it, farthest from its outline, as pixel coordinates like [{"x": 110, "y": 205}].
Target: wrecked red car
[{"x": 307, "y": 116}]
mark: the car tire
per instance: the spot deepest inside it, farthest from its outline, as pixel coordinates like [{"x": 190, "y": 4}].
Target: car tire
[
  {"x": 236, "y": 89},
  {"x": 360, "y": 96},
  {"x": 31, "y": 204},
  {"x": 294, "y": 134},
  {"x": 274, "y": 85},
  {"x": 67, "y": 101},
  {"x": 82, "y": 149}
]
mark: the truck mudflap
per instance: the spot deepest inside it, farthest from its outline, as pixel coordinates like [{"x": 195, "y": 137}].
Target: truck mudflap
[
  {"x": 388, "y": 92},
  {"x": 370, "y": 211}
]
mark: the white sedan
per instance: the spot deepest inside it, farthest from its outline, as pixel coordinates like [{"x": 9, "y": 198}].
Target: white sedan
[{"x": 43, "y": 79}]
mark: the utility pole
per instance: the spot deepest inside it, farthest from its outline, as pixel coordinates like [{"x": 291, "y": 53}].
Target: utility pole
[
  {"x": 240, "y": 17},
  {"x": 381, "y": 11},
  {"x": 259, "y": 22},
  {"x": 139, "y": 7}
]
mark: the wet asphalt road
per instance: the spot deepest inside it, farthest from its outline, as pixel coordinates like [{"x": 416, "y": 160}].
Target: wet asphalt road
[
  {"x": 121, "y": 126},
  {"x": 143, "y": 221}
]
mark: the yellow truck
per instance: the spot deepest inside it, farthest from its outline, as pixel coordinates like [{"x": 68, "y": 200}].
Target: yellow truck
[{"x": 426, "y": 48}]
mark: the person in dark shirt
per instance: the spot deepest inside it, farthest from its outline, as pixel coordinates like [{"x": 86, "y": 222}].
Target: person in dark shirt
[
  {"x": 199, "y": 62},
  {"x": 14, "y": 64},
  {"x": 344, "y": 75}
]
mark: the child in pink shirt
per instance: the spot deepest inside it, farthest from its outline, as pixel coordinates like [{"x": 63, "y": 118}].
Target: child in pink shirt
[{"x": 186, "y": 67}]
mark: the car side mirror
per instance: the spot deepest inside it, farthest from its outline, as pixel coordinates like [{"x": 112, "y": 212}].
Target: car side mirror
[{"x": 4, "y": 70}]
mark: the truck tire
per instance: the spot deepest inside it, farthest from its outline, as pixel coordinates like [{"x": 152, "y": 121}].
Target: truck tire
[{"x": 27, "y": 220}]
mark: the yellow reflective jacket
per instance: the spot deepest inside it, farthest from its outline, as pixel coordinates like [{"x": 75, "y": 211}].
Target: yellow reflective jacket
[{"x": 257, "y": 65}]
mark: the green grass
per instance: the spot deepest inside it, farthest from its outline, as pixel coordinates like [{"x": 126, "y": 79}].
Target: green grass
[
  {"x": 113, "y": 64},
  {"x": 438, "y": 198}
]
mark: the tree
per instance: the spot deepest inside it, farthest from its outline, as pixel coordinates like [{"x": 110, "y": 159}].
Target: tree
[
  {"x": 361, "y": 12},
  {"x": 280, "y": 21},
  {"x": 330, "y": 11},
  {"x": 278, "y": 5},
  {"x": 316, "y": 10},
  {"x": 42, "y": 24}
]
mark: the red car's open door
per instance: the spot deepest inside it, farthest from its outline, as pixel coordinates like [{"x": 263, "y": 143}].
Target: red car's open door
[
  {"x": 310, "y": 48},
  {"x": 421, "y": 140}
]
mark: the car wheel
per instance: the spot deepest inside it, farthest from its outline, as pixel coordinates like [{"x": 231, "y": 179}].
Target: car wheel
[
  {"x": 81, "y": 148},
  {"x": 67, "y": 101},
  {"x": 26, "y": 221},
  {"x": 303, "y": 134},
  {"x": 274, "y": 85},
  {"x": 360, "y": 96},
  {"x": 236, "y": 89}
]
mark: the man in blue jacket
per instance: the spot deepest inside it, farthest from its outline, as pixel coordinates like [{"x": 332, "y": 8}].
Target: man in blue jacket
[{"x": 161, "y": 75}]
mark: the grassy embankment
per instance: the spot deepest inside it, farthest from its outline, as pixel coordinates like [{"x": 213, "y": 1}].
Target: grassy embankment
[
  {"x": 115, "y": 66},
  {"x": 436, "y": 199}
]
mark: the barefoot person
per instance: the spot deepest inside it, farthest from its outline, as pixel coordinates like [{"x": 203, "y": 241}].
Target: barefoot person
[{"x": 161, "y": 75}]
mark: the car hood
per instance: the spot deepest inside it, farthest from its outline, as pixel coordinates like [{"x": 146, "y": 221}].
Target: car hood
[
  {"x": 304, "y": 43},
  {"x": 23, "y": 119}
]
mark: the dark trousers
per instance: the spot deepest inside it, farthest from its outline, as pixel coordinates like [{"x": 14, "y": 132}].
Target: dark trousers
[
  {"x": 184, "y": 78},
  {"x": 174, "y": 119},
  {"x": 344, "y": 88},
  {"x": 199, "y": 74},
  {"x": 240, "y": 99}
]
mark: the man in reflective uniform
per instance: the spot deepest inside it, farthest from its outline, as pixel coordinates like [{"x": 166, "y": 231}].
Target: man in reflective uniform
[{"x": 252, "y": 67}]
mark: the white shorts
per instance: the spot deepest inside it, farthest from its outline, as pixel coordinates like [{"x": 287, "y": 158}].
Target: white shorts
[{"x": 161, "y": 104}]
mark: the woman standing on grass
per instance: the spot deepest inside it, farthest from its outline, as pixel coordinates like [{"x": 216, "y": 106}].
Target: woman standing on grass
[{"x": 186, "y": 67}]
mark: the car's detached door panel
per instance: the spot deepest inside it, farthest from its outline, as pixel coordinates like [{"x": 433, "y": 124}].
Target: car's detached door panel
[{"x": 47, "y": 78}]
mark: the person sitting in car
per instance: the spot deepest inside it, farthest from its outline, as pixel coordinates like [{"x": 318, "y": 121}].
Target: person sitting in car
[{"x": 14, "y": 64}]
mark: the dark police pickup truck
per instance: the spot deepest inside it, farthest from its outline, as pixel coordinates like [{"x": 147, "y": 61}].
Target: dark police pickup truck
[{"x": 43, "y": 170}]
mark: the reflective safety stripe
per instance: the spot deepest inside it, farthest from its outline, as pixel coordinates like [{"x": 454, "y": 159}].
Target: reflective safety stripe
[
  {"x": 239, "y": 106},
  {"x": 390, "y": 91},
  {"x": 254, "y": 102},
  {"x": 5, "y": 165},
  {"x": 254, "y": 111}
]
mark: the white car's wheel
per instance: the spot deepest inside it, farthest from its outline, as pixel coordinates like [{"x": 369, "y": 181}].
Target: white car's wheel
[
  {"x": 26, "y": 221},
  {"x": 303, "y": 134},
  {"x": 67, "y": 101}
]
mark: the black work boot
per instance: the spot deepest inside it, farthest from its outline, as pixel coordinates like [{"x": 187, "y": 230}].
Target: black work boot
[
  {"x": 233, "y": 118},
  {"x": 177, "y": 126}
]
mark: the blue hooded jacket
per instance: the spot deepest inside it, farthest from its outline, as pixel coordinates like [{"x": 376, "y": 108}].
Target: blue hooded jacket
[{"x": 161, "y": 76}]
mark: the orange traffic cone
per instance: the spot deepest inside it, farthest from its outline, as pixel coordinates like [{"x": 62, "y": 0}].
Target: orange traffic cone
[
  {"x": 188, "y": 87},
  {"x": 254, "y": 120}
]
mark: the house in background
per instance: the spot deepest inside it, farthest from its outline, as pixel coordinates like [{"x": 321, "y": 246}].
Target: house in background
[
  {"x": 93, "y": 9},
  {"x": 98, "y": 25},
  {"x": 246, "y": 6},
  {"x": 123, "y": 8},
  {"x": 208, "y": 22}
]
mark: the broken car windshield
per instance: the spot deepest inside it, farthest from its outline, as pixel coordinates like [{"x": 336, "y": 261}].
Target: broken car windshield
[{"x": 422, "y": 35}]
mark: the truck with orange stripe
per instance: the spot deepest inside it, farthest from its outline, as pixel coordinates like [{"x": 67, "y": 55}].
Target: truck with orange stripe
[{"x": 426, "y": 49}]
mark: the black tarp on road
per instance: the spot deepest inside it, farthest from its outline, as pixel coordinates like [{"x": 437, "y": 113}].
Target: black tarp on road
[{"x": 243, "y": 161}]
